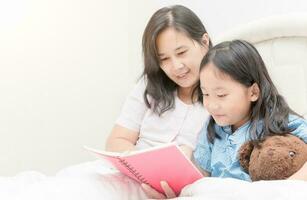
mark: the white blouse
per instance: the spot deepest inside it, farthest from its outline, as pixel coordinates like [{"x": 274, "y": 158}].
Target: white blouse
[{"x": 180, "y": 124}]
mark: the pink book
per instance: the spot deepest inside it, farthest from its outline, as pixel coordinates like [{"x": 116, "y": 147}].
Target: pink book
[{"x": 151, "y": 166}]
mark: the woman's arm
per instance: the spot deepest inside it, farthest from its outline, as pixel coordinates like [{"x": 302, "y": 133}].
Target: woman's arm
[
  {"x": 121, "y": 139},
  {"x": 125, "y": 132},
  {"x": 300, "y": 174}
]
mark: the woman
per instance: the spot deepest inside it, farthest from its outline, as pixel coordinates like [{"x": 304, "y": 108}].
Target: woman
[{"x": 163, "y": 108}]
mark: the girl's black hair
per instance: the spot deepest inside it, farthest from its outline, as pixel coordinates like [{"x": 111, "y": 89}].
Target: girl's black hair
[
  {"x": 159, "y": 86},
  {"x": 242, "y": 62}
]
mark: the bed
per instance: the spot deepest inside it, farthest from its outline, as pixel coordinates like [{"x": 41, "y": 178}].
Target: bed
[{"x": 282, "y": 41}]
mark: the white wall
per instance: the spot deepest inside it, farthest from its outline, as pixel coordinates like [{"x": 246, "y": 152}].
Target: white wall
[
  {"x": 64, "y": 73},
  {"x": 221, "y": 15}
]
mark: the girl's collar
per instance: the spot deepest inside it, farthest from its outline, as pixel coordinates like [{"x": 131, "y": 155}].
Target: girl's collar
[{"x": 228, "y": 129}]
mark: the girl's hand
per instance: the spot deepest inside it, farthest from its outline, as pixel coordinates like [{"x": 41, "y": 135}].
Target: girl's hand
[
  {"x": 188, "y": 151},
  {"x": 154, "y": 194},
  {"x": 301, "y": 174}
]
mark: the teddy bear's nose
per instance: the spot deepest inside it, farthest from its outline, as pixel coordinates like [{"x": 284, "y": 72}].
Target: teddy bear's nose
[{"x": 271, "y": 152}]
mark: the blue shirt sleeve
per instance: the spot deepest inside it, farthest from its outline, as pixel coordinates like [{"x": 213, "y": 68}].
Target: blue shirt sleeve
[
  {"x": 202, "y": 152},
  {"x": 299, "y": 127}
]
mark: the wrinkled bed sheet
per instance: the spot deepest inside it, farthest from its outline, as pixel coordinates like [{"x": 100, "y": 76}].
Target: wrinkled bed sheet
[
  {"x": 98, "y": 180},
  {"x": 234, "y": 189},
  {"x": 86, "y": 181}
]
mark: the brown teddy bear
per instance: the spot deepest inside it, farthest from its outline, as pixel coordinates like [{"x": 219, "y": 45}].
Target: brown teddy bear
[{"x": 277, "y": 157}]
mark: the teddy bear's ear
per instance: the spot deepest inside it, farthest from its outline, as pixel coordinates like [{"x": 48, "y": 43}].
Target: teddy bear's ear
[{"x": 245, "y": 154}]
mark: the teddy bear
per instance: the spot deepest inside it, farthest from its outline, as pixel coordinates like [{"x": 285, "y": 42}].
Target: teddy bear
[{"x": 274, "y": 158}]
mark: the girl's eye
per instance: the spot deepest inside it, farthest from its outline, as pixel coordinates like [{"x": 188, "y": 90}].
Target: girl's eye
[
  {"x": 163, "y": 59},
  {"x": 182, "y": 52},
  {"x": 205, "y": 95},
  {"x": 221, "y": 95}
]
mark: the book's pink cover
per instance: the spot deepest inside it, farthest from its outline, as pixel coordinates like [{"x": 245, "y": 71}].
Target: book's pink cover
[{"x": 167, "y": 163}]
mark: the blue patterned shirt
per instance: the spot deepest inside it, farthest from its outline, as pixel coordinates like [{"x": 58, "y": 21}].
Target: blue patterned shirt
[{"x": 220, "y": 159}]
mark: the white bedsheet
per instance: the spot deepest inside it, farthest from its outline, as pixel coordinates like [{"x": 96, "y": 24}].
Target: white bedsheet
[
  {"x": 86, "y": 181},
  {"x": 97, "y": 180},
  {"x": 234, "y": 189}
]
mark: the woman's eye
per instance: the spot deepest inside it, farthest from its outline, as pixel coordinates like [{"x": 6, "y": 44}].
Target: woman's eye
[
  {"x": 205, "y": 95},
  {"x": 163, "y": 59},
  {"x": 222, "y": 95}
]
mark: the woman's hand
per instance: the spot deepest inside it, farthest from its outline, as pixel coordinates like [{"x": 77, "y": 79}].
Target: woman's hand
[
  {"x": 154, "y": 194},
  {"x": 301, "y": 174}
]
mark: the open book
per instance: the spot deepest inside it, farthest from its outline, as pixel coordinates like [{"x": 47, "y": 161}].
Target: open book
[{"x": 151, "y": 166}]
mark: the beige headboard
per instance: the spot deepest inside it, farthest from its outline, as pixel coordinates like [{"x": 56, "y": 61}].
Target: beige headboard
[{"x": 282, "y": 42}]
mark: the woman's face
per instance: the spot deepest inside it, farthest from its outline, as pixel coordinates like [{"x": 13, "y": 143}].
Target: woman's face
[{"x": 180, "y": 56}]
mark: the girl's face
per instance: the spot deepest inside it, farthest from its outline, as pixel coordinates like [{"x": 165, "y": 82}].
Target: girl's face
[
  {"x": 227, "y": 100},
  {"x": 180, "y": 56}
]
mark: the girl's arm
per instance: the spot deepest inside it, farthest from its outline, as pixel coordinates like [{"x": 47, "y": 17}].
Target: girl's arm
[
  {"x": 187, "y": 151},
  {"x": 205, "y": 173},
  {"x": 121, "y": 139},
  {"x": 154, "y": 194},
  {"x": 299, "y": 125},
  {"x": 300, "y": 174}
]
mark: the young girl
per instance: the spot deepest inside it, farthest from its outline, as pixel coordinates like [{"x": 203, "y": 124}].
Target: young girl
[
  {"x": 244, "y": 105},
  {"x": 163, "y": 108}
]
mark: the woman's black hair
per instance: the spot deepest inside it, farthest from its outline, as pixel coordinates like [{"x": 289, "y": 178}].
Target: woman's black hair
[{"x": 159, "y": 86}]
